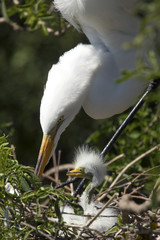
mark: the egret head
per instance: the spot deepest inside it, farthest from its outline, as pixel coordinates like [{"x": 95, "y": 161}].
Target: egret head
[
  {"x": 89, "y": 164},
  {"x": 60, "y": 104},
  {"x": 64, "y": 94}
]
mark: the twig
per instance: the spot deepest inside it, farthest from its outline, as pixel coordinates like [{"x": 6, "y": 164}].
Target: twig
[
  {"x": 59, "y": 160},
  {"x": 39, "y": 231},
  {"x": 139, "y": 197},
  {"x": 52, "y": 179},
  {"x": 56, "y": 165},
  {"x": 139, "y": 175},
  {"x": 61, "y": 168},
  {"x": 149, "y": 126},
  {"x": 14, "y": 152},
  {"x": 155, "y": 187},
  {"x": 117, "y": 233},
  {"x": 114, "y": 159},
  {"x": 135, "y": 190},
  {"x": 32, "y": 227},
  {"x": 102, "y": 209},
  {"x": 128, "y": 166},
  {"x": 133, "y": 162}
]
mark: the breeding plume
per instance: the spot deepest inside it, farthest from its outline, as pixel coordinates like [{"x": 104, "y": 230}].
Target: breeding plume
[
  {"x": 89, "y": 164},
  {"x": 86, "y": 75}
]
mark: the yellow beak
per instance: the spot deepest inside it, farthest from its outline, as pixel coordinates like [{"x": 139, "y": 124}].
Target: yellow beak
[
  {"x": 78, "y": 172},
  {"x": 44, "y": 154}
]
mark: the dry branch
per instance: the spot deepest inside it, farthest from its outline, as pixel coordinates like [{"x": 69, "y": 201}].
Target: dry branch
[{"x": 128, "y": 166}]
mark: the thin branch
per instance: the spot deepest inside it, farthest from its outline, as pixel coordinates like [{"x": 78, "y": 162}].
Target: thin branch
[
  {"x": 155, "y": 188},
  {"x": 32, "y": 227},
  {"x": 133, "y": 162},
  {"x": 61, "y": 168},
  {"x": 102, "y": 209},
  {"x": 136, "y": 189},
  {"x": 14, "y": 152},
  {"x": 39, "y": 231},
  {"x": 139, "y": 175},
  {"x": 115, "y": 159},
  {"x": 128, "y": 166},
  {"x": 58, "y": 164}
]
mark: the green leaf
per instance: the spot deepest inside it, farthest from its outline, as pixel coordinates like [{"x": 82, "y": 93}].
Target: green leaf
[
  {"x": 4, "y": 10},
  {"x": 57, "y": 209}
]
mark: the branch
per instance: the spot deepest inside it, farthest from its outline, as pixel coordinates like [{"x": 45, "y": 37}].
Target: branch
[{"x": 128, "y": 166}]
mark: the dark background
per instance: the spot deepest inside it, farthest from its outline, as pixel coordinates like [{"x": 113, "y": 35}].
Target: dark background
[{"x": 25, "y": 59}]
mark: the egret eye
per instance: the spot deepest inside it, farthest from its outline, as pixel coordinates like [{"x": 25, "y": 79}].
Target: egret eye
[
  {"x": 61, "y": 119},
  {"x": 54, "y": 130},
  {"x": 59, "y": 122}
]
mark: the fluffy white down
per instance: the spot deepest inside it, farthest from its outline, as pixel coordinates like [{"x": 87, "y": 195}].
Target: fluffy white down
[
  {"x": 92, "y": 163},
  {"x": 106, "y": 220}
]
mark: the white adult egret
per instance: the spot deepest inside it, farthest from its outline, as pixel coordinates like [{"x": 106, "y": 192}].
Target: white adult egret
[
  {"x": 89, "y": 164},
  {"x": 86, "y": 75}
]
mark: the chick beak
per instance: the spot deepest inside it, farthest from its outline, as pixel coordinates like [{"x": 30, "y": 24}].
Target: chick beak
[
  {"x": 77, "y": 172},
  {"x": 44, "y": 154}
]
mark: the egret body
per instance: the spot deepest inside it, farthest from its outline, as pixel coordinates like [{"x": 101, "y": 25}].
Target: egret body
[{"x": 86, "y": 75}]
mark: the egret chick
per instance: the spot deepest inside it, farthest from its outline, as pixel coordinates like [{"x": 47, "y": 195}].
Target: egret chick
[{"x": 89, "y": 164}]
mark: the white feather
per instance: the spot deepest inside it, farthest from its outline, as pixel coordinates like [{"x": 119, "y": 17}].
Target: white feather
[
  {"x": 93, "y": 164},
  {"x": 86, "y": 75}
]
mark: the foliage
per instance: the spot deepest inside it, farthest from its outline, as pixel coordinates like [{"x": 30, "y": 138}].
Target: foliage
[
  {"x": 31, "y": 15},
  {"x": 23, "y": 212},
  {"x": 29, "y": 210},
  {"x": 140, "y": 134},
  {"x": 25, "y": 59},
  {"x": 147, "y": 38}
]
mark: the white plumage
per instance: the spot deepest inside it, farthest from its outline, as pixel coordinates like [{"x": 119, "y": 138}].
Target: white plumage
[
  {"x": 89, "y": 164},
  {"x": 92, "y": 163},
  {"x": 86, "y": 75}
]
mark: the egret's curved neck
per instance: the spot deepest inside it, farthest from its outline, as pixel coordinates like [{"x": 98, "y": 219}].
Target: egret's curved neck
[{"x": 67, "y": 85}]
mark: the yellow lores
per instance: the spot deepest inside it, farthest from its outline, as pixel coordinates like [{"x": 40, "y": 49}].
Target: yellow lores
[
  {"x": 79, "y": 173},
  {"x": 47, "y": 148}
]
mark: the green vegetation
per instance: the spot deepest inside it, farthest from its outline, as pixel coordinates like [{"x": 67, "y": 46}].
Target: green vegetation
[
  {"x": 32, "y": 37},
  {"x": 22, "y": 214}
]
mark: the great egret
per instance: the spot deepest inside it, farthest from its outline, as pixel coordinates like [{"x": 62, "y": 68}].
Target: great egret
[
  {"x": 89, "y": 164},
  {"x": 86, "y": 75}
]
